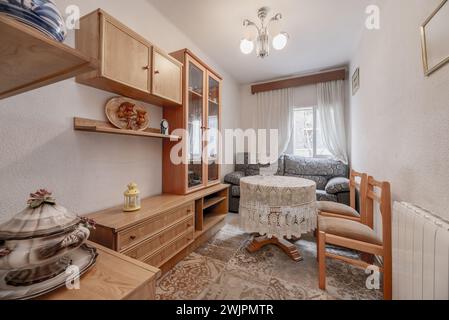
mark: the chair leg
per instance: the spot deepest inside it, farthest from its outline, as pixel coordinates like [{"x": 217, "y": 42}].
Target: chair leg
[
  {"x": 388, "y": 277},
  {"x": 317, "y": 232},
  {"x": 322, "y": 260}
]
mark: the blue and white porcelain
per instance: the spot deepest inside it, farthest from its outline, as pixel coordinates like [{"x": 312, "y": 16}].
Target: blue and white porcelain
[{"x": 40, "y": 14}]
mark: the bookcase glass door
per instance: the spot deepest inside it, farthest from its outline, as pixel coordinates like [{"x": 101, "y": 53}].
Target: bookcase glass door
[
  {"x": 213, "y": 125},
  {"x": 195, "y": 125}
]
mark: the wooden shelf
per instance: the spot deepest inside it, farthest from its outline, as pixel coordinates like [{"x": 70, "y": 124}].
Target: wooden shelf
[
  {"x": 196, "y": 94},
  {"x": 210, "y": 220},
  {"x": 106, "y": 127},
  {"x": 30, "y": 60},
  {"x": 213, "y": 101},
  {"x": 212, "y": 201}
]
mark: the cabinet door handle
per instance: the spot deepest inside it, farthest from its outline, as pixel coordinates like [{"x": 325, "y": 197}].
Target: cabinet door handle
[
  {"x": 156, "y": 72},
  {"x": 146, "y": 68}
]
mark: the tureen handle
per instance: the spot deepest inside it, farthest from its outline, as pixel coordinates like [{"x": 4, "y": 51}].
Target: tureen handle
[
  {"x": 73, "y": 240},
  {"x": 4, "y": 252}
]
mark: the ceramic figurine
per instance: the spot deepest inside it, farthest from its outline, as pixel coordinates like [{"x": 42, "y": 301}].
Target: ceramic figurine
[{"x": 164, "y": 127}]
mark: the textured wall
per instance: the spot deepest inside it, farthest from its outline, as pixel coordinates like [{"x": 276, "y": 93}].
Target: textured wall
[
  {"x": 87, "y": 172},
  {"x": 400, "y": 118}
]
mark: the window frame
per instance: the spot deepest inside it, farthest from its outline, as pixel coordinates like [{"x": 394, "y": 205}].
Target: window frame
[{"x": 314, "y": 129}]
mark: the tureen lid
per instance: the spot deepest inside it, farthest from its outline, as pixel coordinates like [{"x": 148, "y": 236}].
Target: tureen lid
[{"x": 42, "y": 217}]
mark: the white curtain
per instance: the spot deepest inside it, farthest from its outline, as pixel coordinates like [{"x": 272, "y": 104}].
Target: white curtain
[
  {"x": 331, "y": 109},
  {"x": 275, "y": 111}
]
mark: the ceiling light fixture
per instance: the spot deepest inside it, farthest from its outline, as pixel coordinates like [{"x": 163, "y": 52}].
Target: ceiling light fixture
[{"x": 262, "y": 39}]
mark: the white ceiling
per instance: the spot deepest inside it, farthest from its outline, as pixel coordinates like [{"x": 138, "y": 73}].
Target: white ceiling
[{"x": 322, "y": 33}]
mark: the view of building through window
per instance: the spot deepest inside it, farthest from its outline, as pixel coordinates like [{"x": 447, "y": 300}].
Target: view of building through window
[{"x": 308, "y": 139}]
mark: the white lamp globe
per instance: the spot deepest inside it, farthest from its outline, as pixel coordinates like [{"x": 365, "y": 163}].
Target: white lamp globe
[
  {"x": 280, "y": 41},
  {"x": 246, "y": 46}
]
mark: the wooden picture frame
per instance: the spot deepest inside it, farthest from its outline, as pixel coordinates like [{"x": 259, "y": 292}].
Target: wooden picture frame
[
  {"x": 355, "y": 81},
  {"x": 432, "y": 42}
]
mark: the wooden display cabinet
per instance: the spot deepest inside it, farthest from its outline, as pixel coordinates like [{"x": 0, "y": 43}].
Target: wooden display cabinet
[{"x": 200, "y": 116}]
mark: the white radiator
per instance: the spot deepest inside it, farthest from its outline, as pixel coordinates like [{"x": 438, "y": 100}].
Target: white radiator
[{"x": 420, "y": 254}]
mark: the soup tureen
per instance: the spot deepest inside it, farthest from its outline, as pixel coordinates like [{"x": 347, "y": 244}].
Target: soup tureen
[{"x": 36, "y": 244}]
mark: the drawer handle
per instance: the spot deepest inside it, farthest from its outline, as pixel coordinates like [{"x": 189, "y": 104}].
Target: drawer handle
[{"x": 132, "y": 237}]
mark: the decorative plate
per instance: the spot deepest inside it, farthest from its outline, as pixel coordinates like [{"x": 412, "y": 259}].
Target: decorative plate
[
  {"x": 42, "y": 15},
  {"x": 83, "y": 258},
  {"x": 136, "y": 116}
]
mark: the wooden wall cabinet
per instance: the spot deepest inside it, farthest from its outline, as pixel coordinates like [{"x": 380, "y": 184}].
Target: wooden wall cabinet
[
  {"x": 129, "y": 65},
  {"x": 200, "y": 117}
]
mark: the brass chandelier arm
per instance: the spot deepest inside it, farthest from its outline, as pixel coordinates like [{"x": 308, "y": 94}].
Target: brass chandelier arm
[{"x": 248, "y": 23}]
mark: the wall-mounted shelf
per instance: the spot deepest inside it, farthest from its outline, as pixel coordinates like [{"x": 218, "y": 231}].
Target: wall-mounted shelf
[
  {"x": 30, "y": 60},
  {"x": 106, "y": 127}
]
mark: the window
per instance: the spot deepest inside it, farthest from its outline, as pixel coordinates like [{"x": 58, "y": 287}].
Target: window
[{"x": 308, "y": 140}]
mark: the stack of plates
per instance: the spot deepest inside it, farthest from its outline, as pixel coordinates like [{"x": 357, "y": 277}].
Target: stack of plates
[{"x": 42, "y": 15}]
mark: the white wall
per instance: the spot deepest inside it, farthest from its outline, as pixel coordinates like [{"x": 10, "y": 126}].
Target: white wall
[
  {"x": 88, "y": 172},
  {"x": 400, "y": 118}
]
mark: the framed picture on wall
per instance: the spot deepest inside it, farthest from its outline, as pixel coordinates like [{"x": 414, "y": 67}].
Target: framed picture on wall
[
  {"x": 435, "y": 39},
  {"x": 356, "y": 81}
]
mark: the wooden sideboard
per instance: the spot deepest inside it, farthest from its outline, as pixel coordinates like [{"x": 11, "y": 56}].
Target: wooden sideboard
[
  {"x": 113, "y": 277},
  {"x": 166, "y": 229}
]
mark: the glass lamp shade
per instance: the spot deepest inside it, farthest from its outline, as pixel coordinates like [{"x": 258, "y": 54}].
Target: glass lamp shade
[
  {"x": 280, "y": 41},
  {"x": 132, "y": 198},
  {"x": 246, "y": 46}
]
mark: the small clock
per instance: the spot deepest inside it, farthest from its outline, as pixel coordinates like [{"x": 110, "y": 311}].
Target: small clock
[{"x": 164, "y": 127}]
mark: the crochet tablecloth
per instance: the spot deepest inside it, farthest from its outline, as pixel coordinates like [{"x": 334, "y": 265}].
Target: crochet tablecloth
[{"x": 278, "y": 206}]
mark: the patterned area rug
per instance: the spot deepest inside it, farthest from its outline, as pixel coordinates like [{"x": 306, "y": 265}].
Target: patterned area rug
[{"x": 222, "y": 269}]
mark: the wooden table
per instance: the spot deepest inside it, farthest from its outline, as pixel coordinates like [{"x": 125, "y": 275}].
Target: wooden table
[
  {"x": 113, "y": 277},
  {"x": 277, "y": 207}
]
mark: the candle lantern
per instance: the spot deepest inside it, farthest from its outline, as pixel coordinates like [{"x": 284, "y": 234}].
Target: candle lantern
[{"x": 132, "y": 198}]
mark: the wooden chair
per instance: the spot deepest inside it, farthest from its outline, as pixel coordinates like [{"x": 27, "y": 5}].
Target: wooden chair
[
  {"x": 339, "y": 210},
  {"x": 359, "y": 236}
]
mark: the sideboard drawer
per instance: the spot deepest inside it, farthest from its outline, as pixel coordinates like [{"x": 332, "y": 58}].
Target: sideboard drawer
[
  {"x": 160, "y": 239},
  {"x": 169, "y": 251},
  {"x": 134, "y": 235}
]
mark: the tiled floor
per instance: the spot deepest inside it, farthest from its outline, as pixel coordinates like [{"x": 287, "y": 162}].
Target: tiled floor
[{"x": 223, "y": 269}]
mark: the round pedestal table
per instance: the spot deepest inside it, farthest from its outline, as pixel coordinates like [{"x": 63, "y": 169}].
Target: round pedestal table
[{"x": 277, "y": 207}]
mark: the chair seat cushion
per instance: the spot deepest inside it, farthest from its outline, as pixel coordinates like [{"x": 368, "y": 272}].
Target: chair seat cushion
[
  {"x": 337, "y": 208},
  {"x": 348, "y": 229},
  {"x": 322, "y": 195}
]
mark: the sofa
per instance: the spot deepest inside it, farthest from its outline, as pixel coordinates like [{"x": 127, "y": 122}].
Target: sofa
[{"x": 331, "y": 176}]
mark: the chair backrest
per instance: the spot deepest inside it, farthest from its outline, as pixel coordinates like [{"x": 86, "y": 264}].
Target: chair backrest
[
  {"x": 383, "y": 198},
  {"x": 358, "y": 183}
]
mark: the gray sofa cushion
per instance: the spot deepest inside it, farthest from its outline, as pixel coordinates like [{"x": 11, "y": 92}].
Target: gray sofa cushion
[
  {"x": 234, "y": 177},
  {"x": 336, "y": 185},
  {"x": 321, "y": 181},
  {"x": 322, "y": 195},
  {"x": 235, "y": 191},
  {"x": 314, "y": 167}
]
